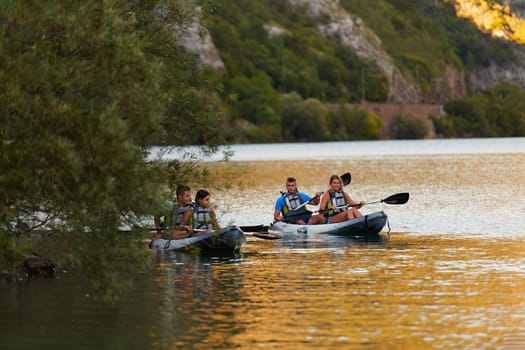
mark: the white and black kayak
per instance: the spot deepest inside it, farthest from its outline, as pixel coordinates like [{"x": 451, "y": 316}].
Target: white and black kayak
[
  {"x": 227, "y": 240},
  {"x": 366, "y": 226}
]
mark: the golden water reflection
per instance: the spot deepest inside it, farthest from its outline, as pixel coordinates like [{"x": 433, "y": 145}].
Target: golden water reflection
[
  {"x": 448, "y": 193},
  {"x": 414, "y": 292},
  {"x": 451, "y": 275}
]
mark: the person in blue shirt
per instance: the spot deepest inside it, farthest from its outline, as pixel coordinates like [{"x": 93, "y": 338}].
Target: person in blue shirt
[{"x": 289, "y": 206}]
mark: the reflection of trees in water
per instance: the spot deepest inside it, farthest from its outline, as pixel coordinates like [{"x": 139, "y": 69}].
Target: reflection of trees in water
[{"x": 196, "y": 300}]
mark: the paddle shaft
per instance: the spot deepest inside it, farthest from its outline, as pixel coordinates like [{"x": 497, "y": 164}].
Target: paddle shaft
[
  {"x": 171, "y": 229},
  {"x": 395, "y": 199}
]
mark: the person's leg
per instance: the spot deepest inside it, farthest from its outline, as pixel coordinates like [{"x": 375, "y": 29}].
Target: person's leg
[
  {"x": 354, "y": 213},
  {"x": 302, "y": 220},
  {"x": 339, "y": 217},
  {"x": 317, "y": 219}
]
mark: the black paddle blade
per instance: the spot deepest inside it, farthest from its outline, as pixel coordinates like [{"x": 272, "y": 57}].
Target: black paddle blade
[
  {"x": 347, "y": 178},
  {"x": 254, "y": 228},
  {"x": 398, "y": 198}
]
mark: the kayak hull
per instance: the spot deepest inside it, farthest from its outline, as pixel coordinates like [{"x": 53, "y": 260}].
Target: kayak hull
[
  {"x": 366, "y": 226},
  {"x": 227, "y": 240}
]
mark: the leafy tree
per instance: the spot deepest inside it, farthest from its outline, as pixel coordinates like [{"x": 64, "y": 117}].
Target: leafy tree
[
  {"x": 256, "y": 99},
  {"x": 468, "y": 116},
  {"x": 84, "y": 89},
  {"x": 408, "y": 127},
  {"x": 303, "y": 120},
  {"x": 496, "y": 112},
  {"x": 355, "y": 124}
]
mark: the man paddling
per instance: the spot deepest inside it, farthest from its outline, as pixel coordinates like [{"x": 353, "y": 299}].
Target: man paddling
[
  {"x": 176, "y": 220},
  {"x": 289, "y": 206}
]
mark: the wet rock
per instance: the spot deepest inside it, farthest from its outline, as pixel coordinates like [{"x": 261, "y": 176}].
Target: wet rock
[{"x": 37, "y": 265}]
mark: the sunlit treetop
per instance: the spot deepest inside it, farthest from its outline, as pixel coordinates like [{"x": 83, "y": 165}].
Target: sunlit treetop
[{"x": 493, "y": 17}]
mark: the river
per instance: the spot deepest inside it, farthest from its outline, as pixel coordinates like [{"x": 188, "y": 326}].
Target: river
[{"x": 450, "y": 276}]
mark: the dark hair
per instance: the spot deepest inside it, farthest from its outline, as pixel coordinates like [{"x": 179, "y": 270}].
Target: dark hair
[
  {"x": 181, "y": 189},
  {"x": 200, "y": 195},
  {"x": 291, "y": 179}
]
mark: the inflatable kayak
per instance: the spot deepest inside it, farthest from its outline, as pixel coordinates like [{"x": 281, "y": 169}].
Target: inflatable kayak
[
  {"x": 228, "y": 240},
  {"x": 366, "y": 226}
]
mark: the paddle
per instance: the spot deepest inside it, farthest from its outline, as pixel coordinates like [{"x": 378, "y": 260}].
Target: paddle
[
  {"x": 171, "y": 229},
  {"x": 346, "y": 177},
  {"x": 398, "y": 198},
  {"x": 254, "y": 228}
]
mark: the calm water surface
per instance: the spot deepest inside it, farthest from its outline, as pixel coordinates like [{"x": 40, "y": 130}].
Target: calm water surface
[{"x": 450, "y": 276}]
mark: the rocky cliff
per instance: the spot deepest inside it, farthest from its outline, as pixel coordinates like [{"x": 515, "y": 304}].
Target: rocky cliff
[{"x": 353, "y": 33}]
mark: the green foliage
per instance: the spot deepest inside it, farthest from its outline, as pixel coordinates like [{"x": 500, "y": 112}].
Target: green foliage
[
  {"x": 474, "y": 48},
  {"x": 84, "y": 89},
  {"x": 422, "y": 37},
  {"x": 494, "y": 113},
  {"x": 303, "y": 120},
  {"x": 297, "y": 60},
  {"x": 408, "y": 127},
  {"x": 355, "y": 124}
]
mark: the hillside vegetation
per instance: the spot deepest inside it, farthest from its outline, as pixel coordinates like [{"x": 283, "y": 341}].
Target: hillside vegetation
[{"x": 272, "y": 49}]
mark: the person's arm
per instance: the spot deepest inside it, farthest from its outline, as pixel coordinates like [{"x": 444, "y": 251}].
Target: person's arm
[
  {"x": 214, "y": 219},
  {"x": 305, "y": 198},
  {"x": 279, "y": 205},
  {"x": 157, "y": 221},
  {"x": 184, "y": 224},
  {"x": 317, "y": 199},
  {"x": 352, "y": 202},
  {"x": 313, "y": 201},
  {"x": 324, "y": 202}
]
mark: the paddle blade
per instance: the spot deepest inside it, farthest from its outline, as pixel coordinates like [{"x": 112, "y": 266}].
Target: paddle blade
[
  {"x": 398, "y": 198},
  {"x": 347, "y": 178},
  {"x": 254, "y": 228}
]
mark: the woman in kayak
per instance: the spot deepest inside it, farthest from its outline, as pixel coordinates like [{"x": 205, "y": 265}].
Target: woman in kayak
[
  {"x": 203, "y": 217},
  {"x": 337, "y": 205}
]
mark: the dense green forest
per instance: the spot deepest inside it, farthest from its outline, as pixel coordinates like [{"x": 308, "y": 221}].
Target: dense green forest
[{"x": 262, "y": 69}]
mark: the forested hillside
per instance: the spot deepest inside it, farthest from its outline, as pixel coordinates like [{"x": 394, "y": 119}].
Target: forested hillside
[{"x": 286, "y": 61}]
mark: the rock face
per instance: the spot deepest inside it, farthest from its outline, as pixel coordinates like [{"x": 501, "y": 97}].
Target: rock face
[
  {"x": 484, "y": 79},
  {"x": 198, "y": 40},
  {"x": 518, "y": 7},
  {"x": 353, "y": 33}
]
